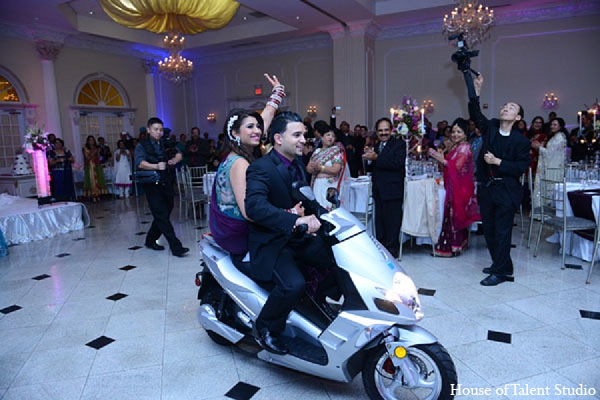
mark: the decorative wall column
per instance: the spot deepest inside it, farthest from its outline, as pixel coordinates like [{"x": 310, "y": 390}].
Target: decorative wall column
[
  {"x": 150, "y": 66},
  {"x": 353, "y": 72},
  {"x": 48, "y": 52}
]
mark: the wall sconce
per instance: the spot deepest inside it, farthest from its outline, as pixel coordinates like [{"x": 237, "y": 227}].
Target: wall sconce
[
  {"x": 211, "y": 117},
  {"x": 428, "y": 106},
  {"x": 312, "y": 111},
  {"x": 550, "y": 101}
]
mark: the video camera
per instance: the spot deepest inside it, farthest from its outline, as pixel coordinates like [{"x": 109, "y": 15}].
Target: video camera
[{"x": 462, "y": 56}]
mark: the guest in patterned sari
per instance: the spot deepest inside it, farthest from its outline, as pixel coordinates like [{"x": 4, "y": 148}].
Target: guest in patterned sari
[
  {"x": 93, "y": 181},
  {"x": 326, "y": 164},
  {"x": 460, "y": 206},
  {"x": 60, "y": 162}
]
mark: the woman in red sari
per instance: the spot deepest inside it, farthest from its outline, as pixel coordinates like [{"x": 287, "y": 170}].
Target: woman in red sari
[{"x": 460, "y": 206}]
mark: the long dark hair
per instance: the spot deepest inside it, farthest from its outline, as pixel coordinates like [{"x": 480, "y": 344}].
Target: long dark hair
[
  {"x": 234, "y": 123},
  {"x": 561, "y": 123},
  {"x": 87, "y": 142}
]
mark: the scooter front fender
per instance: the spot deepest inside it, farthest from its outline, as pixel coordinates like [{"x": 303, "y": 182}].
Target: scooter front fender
[{"x": 413, "y": 334}]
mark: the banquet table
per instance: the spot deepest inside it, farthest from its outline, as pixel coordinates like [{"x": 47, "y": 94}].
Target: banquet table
[
  {"x": 423, "y": 210},
  {"x": 582, "y": 248},
  {"x": 207, "y": 182},
  {"x": 358, "y": 194}
]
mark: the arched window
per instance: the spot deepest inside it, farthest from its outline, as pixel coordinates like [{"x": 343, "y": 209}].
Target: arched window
[
  {"x": 101, "y": 93},
  {"x": 14, "y": 113},
  {"x": 8, "y": 91},
  {"x": 102, "y": 105}
]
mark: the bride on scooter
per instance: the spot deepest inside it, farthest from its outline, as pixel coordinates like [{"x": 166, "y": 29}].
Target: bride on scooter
[{"x": 227, "y": 219}]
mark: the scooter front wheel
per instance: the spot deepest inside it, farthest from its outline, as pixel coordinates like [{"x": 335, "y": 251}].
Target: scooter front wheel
[{"x": 436, "y": 371}]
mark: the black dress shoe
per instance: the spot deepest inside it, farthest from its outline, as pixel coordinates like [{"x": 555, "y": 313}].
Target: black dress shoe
[
  {"x": 181, "y": 253},
  {"x": 155, "y": 246},
  {"x": 489, "y": 271},
  {"x": 269, "y": 343},
  {"x": 493, "y": 280}
]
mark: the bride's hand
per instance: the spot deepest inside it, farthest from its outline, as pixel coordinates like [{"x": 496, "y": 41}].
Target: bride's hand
[{"x": 273, "y": 80}]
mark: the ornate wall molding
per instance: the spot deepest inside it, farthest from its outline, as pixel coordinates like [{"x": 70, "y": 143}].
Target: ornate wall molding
[{"x": 48, "y": 50}]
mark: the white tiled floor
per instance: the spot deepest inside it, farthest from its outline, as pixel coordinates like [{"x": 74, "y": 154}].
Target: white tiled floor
[{"x": 160, "y": 352}]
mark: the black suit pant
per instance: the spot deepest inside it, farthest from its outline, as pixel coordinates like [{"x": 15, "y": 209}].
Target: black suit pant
[
  {"x": 497, "y": 215},
  {"x": 160, "y": 200},
  {"x": 289, "y": 279},
  {"x": 388, "y": 221}
]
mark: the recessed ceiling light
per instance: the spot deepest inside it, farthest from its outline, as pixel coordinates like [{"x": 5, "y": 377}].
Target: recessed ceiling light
[
  {"x": 37, "y": 18},
  {"x": 245, "y": 18},
  {"x": 91, "y": 13},
  {"x": 298, "y": 17}
]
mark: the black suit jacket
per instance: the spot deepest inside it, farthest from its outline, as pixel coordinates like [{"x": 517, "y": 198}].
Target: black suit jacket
[
  {"x": 514, "y": 155},
  {"x": 268, "y": 195},
  {"x": 388, "y": 171}
]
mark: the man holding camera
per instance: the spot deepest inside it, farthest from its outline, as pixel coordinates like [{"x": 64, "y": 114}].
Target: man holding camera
[
  {"x": 503, "y": 158},
  {"x": 158, "y": 154}
]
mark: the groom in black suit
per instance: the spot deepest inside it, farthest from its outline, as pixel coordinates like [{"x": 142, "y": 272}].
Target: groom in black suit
[
  {"x": 387, "y": 162},
  {"x": 503, "y": 158},
  {"x": 277, "y": 254}
]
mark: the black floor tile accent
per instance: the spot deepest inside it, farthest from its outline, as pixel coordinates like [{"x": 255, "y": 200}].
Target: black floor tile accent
[
  {"x": 10, "y": 309},
  {"x": 201, "y": 227},
  {"x": 499, "y": 337},
  {"x": 590, "y": 314},
  {"x": 573, "y": 266},
  {"x": 91, "y": 226},
  {"x": 426, "y": 292},
  {"x": 78, "y": 239},
  {"x": 135, "y": 248},
  {"x": 128, "y": 267},
  {"x": 140, "y": 233},
  {"x": 117, "y": 296},
  {"x": 61, "y": 255},
  {"x": 40, "y": 277},
  {"x": 242, "y": 391},
  {"x": 100, "y": 342},
  {"x": 513, "y": 246},
  {"x": 145, "y": 222}
]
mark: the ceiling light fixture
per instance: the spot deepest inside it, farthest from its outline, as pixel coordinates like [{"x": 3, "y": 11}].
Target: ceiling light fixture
[
  {"x": 471, "y": 19},
  {"x": 175, "y": 67}
]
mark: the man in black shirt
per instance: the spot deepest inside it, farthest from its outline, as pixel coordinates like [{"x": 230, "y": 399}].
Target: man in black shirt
[
  {"x": 503, "y": 158},
  {"x": 157, "y": 154}
]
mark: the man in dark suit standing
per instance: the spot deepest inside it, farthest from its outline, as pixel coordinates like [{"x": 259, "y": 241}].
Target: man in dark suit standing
[
  {"x": 503, "y": 158},
  {"x": 276, "y": 254},
  {"x": 387, "y": 163}
]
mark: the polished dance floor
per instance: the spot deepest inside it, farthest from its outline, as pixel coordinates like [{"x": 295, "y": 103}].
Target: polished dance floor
[{"x": 92, "y": 314}]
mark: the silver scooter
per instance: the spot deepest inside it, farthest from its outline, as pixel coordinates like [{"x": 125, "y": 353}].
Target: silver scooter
[{"x": 397, "y": 358}]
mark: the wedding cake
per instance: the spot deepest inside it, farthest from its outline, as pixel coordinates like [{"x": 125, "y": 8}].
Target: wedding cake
[{"x": 21, "y": 166}]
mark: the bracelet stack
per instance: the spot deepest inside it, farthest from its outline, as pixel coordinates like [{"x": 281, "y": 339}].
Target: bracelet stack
[{"x": 277, "y": 96}]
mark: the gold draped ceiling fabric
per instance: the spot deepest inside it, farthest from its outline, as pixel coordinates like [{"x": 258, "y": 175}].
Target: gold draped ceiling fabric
[{"x": 159, "y": 16}]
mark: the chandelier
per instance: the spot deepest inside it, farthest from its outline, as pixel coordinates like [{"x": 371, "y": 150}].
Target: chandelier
[
  {"x": 471, "y": 19},
  {"x": 175, "y": 67}
]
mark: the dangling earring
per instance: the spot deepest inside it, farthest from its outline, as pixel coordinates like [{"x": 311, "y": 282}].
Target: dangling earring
[{"x": 238, "y": 141}]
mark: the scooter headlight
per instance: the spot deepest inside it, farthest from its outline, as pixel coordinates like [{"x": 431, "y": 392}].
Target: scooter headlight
[{"x": 405, "y": 292}]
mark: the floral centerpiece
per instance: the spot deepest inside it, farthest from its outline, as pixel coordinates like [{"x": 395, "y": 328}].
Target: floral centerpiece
[
  {"x": 406, "y": 118},
  {"x": 35, "y": 139}
]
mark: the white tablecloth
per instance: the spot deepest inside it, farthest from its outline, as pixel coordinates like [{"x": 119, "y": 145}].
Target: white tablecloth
[
  {"x": 356, "y": 199},
  {"x": 207, "y": 182},
  {"x": 423, "y": 210},
  {"x": 582, "y": 248}
]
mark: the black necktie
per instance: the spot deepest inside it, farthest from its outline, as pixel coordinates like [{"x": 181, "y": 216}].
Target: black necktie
[{"x": 294, "y": 172}]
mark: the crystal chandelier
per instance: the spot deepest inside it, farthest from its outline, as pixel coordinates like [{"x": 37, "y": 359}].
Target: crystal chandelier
[
  {"x": 175, "y": 67},
  {"x": 471, "y": 19}
]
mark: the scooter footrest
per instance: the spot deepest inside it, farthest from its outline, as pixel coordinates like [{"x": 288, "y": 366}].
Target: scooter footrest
[{"x": 306, "y": 351}]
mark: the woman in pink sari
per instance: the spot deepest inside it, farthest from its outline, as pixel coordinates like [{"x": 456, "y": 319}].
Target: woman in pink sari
[{"x": 460, "y": 206}]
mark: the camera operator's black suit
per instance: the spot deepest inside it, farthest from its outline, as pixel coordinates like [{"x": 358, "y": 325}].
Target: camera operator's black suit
[
  {"x": 498, "y": 188},
  {"x": 160, "y": 195}
]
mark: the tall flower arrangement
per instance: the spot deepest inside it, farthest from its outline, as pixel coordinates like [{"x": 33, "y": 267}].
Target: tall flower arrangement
[
  {"x": 35, "y": 139},
  {"x": 406, "y": 118}
]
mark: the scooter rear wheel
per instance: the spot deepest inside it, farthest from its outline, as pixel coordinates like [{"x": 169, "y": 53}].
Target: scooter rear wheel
[
  {"x": 383, "y": 381},
  {"x": 214, "y": 297}
]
